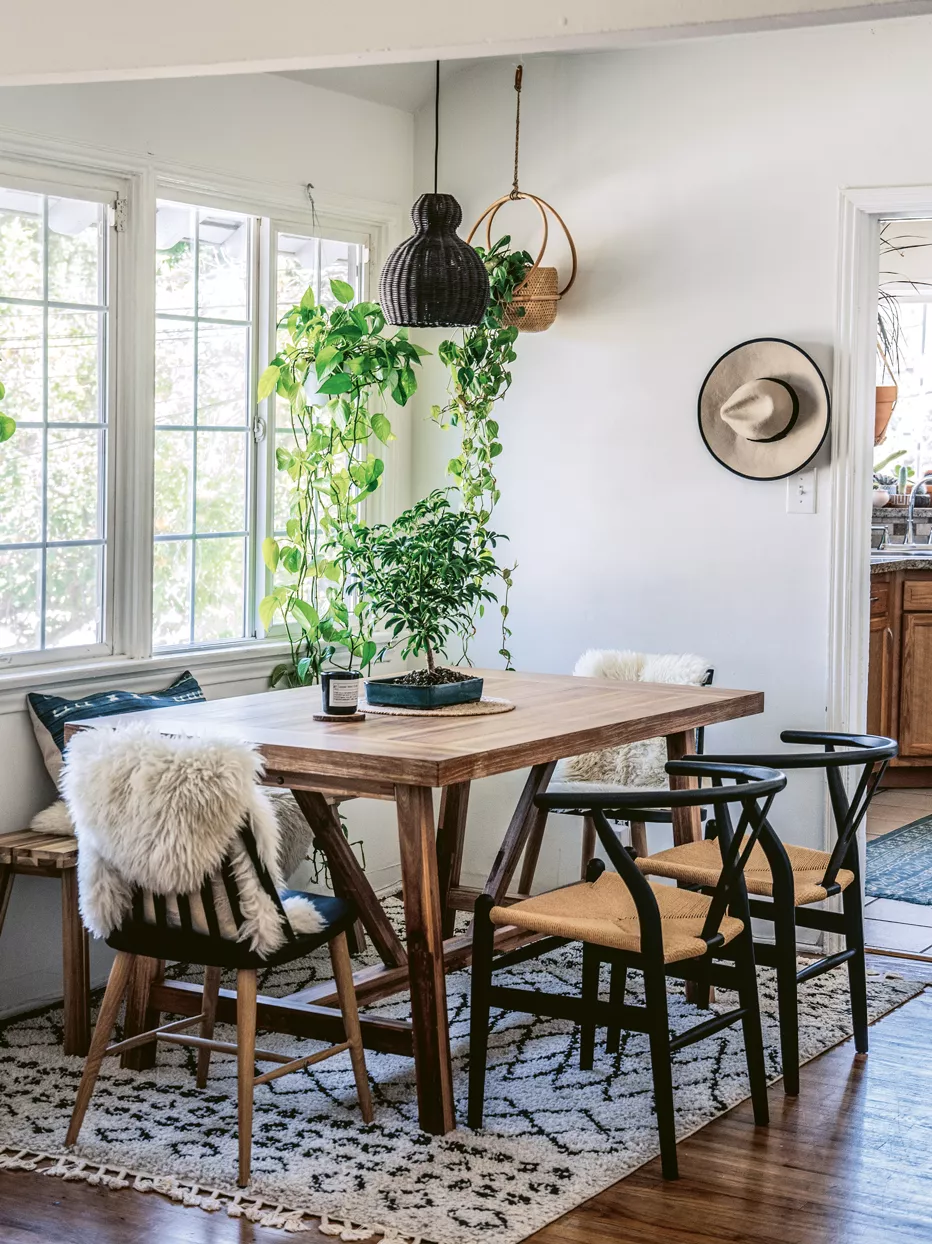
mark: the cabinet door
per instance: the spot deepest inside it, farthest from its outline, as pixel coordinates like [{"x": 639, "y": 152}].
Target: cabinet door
[
  {"x": 880, "y": 677},
  {"x": 916, "y": 686}
]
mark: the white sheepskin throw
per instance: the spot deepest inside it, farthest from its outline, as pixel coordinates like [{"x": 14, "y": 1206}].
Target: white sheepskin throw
[
  {"x": 162, "y": 813},
  {"x": 632, "y": 764}
]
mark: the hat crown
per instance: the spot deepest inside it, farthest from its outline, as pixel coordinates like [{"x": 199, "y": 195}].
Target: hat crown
[{"x": 761, "y": 410}]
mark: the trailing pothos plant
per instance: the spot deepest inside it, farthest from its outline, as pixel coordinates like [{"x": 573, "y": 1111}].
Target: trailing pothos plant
[
  {"x": 7, "y": 425},
  {"x": 331, "y": 367},
  {"x": 480, "y": 376}
]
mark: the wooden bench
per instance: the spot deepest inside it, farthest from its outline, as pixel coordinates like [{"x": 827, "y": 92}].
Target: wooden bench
[{"x": 27, "y": 853}]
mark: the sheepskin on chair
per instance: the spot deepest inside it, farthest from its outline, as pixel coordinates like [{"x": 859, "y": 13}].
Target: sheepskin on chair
[
  {"x": 163, "y": 813},
  {"x": 631, "y": 764}
]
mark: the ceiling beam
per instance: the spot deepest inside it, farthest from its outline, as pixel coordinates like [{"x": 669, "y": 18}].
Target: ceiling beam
[{"x": 100, "y": 40}]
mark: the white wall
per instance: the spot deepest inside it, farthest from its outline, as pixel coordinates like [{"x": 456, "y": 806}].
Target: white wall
[
  {"x": 264, "y": 130},
  {"x": 701, "y": 183}
]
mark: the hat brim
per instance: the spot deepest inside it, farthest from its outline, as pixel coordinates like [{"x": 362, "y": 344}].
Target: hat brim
[{"x": 774, "y": 358}]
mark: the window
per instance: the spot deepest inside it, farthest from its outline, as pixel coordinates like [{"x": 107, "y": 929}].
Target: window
[
  {"x": 54, "y": 362},
  {"x": 204, "y": 382}
]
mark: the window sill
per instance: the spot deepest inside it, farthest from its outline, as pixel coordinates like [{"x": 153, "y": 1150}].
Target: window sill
[{"x": 213, "y": 666}]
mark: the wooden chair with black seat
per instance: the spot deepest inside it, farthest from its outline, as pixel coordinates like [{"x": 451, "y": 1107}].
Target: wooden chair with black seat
[
  {"x": 623, "y": 919},
  {"x": 632, "y": 766},
  {"x": 788, "y": 881},
  {"x": 178, "y": 859}
]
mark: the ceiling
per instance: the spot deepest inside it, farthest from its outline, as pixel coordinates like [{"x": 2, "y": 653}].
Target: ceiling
[{"x": 408, "y": 87}]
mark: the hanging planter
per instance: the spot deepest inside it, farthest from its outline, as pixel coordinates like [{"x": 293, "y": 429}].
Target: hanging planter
[
  {"x": 885, "y": 400},
  {"x": 533, "y": 307}
]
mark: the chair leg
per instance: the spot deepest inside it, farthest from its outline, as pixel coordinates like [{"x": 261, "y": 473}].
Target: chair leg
[
  {"x": 655, "y": 988},
  {"x": 479, "y": 1007},
  {"x": 590, "y": 995},
  {"x": 245, "y": 1065},
  {"x": 117, "y": 985},
  {"x": 784, "y": 926},
  {"x": 857, "y": 967},
  {"x": 639, "y": 839},
  {"x": 749, "y": 1000},
  {"x": 618, "y": 984},
  {"x": 76, "y": 1004},
  {"x": 6, "y": 889},
  {"x": 343, "y": 975},
  {"x": 211, "y": 994},
  {"x": 589, "y": 840}
]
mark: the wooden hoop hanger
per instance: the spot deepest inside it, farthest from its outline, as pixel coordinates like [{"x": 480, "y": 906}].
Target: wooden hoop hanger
[{"x": 543, "y": 207}]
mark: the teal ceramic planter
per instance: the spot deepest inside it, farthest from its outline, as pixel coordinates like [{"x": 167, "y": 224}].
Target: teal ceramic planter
[{"x": 393, "y": 694}]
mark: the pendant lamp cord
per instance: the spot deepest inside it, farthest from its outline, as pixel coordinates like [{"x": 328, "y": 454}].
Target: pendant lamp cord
[
  {"x": 519, "y": 74},
  {"x": 436, "y": 123}
]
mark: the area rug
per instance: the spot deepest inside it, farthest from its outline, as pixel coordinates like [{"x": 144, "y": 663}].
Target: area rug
[
  {"x": 554, "y": 1135},
  {"x": 899, "y": 864}
]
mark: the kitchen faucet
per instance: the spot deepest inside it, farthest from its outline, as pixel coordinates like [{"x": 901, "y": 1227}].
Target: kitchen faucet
[{"x": 910, "y": 508}]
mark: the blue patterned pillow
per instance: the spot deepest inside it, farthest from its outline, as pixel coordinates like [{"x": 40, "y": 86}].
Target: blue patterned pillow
[{"x": 51, "y": 713}]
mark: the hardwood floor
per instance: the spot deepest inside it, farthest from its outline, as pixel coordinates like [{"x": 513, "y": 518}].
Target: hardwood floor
[
  {"x": 845, "y": 1163},
  {"x": 889, "y": 925}
]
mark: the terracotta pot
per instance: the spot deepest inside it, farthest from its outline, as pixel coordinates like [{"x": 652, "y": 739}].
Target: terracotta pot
[{"x": 886, "y": 400}]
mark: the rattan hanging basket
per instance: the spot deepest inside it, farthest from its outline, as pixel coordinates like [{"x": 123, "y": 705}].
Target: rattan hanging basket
[{"x": 533, "y": 307}]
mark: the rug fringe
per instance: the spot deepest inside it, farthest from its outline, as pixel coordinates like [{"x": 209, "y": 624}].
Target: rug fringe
[{"x": 254, "y": 1209}]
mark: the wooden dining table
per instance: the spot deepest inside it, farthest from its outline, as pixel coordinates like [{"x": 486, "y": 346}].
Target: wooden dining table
[{"x": 404, "y": 759}]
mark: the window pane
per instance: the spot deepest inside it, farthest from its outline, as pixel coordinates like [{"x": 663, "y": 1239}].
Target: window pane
[
  {"x": 21, "y": 488},
  {"x": 76, "y": 346},
  {"x": 174, "y": 472},
  {"x": 284, "y": 486},
  {"x": 75, "y": 272},
  {"x": 222, "y": 375},
  {"x": 297, "y": 269},
  {"x": 219, "y": 579},
  {"x": 223, "y": 259},
  {"x": 53, "y": 249},
  {"x": 334, "y": 265},
  {"x": 221, "y": 481},
  {"x": 171, "y": 593},
  {"x": 73, "y": 596},
  {"x": 21, "y": 360},
  {"x": 174, "y": 372},
  {"x": 20, "y": 596},
  {"x": 175, "y": 231},
  {"x": 20, "y": 244},
  {"x": 73, "y": 483}
]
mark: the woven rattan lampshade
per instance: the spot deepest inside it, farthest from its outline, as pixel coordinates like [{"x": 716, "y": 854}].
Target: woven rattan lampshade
[{"x": 434, "y": 279}]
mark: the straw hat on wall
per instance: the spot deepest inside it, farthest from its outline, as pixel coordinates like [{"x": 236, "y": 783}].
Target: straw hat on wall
[{"x": 764, "y": 409}]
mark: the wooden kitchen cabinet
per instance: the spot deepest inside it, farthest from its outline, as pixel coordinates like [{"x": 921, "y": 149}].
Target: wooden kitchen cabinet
[{"x": 899, "y": 697}]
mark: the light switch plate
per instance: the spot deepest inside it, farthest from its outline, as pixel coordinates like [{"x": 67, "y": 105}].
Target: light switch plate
[{"x": 801, "y": 492}]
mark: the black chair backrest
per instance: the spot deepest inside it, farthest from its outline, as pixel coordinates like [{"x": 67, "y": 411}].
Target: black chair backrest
[
  {"x": 871, "y": 753},
  {"x": 753, "y": 787}
]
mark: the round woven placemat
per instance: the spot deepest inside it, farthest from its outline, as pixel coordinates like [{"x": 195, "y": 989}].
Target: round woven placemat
[{"x": 478, "y": 708}]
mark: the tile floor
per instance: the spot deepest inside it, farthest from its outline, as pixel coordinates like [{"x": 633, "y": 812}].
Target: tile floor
[{"x": 890, "y": 925}]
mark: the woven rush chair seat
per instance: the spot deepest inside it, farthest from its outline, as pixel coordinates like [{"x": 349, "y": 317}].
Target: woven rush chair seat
[
  {"x": 700, "y": 863},
  {"x": 603, "y": 913}
]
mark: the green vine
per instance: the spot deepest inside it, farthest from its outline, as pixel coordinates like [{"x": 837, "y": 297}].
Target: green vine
[
  {"x": 332, "y": 365},
  {"x": 7, "y": 425},
  {"x": 480, "y": 376}
]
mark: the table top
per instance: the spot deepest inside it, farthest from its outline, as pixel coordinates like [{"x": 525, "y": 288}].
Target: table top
[{"x": 555, "y": 715}]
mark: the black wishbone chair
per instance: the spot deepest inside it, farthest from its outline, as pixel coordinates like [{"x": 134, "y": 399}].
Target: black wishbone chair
[
  {"x": 660, "y": 930},
  {"x": 794, "y": 878}
]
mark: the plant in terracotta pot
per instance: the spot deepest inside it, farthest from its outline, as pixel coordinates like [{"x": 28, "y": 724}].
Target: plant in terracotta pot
[{"x": 427, "y": 577}]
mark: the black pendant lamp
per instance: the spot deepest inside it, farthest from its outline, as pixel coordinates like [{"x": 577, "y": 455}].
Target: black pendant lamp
[{"x": 434, "y": 279}]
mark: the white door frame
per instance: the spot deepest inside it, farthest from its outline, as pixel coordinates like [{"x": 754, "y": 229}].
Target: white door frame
[{"x": 861, "y": 210}]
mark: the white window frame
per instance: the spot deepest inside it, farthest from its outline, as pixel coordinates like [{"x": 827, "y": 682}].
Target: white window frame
[
  {"x": 140, "y": 183},
  {"x": 100, "y": 187}
]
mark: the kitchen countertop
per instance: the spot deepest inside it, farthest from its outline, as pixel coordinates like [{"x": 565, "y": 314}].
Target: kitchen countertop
[{"x": 886, "y": 565}]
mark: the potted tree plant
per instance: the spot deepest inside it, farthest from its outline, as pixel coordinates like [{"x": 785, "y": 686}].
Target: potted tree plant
[{"x": 425, "y": 576}]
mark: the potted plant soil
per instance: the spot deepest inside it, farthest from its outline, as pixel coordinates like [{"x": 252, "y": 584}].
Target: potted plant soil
[{"x": 426, "y": 577}]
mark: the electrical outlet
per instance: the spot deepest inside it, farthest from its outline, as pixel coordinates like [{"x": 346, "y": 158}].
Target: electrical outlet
[{"x": 801, "y": 492}]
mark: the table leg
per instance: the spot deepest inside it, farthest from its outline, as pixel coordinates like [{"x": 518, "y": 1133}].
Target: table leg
[
  {"x": 421, "y": 892},
  {"x": 76, "y": 1004},
  {"x": 347, "y": 874},
  {"x": 451, "y": 835},
  {"x": 140, "y": 1016},
  {"x": 687, "y": 827},
  {"x": 525, "y": 819}
]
